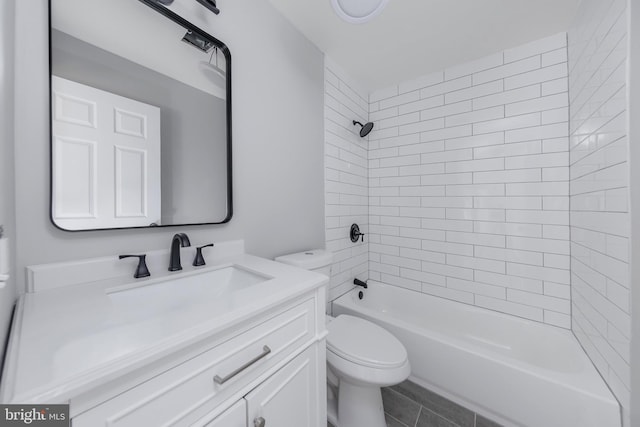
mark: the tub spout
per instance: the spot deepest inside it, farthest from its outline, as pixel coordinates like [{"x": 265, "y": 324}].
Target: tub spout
[{"x": 360, "y": 283}]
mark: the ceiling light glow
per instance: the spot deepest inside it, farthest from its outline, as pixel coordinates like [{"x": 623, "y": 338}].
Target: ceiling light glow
[{"x": 358, "y": 11}]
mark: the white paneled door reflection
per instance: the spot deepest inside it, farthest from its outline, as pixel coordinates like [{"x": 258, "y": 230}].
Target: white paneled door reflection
[{"x": 106, "y": 158}]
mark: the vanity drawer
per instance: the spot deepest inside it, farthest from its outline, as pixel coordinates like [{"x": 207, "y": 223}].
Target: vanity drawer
[{"x": 195, "y": 387}]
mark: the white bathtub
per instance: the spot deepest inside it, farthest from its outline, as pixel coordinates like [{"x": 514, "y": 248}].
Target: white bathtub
[{"x": 517, "y": 372}]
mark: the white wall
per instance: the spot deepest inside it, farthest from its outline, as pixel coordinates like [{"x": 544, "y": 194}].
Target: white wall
[
  {"x": 7, "y": 215},
  {"x": 599, "y": 190},
  {"x": 468, "y": 172},
  {"x": 346, "y": 186},
  {"x": 277, "y": 142}
]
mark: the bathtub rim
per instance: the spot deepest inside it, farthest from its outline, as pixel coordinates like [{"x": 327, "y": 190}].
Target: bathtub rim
[{"x": 553, "y": 376}]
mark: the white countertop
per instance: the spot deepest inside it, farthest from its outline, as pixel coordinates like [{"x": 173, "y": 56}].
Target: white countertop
[{"x": 70, "y": 339}]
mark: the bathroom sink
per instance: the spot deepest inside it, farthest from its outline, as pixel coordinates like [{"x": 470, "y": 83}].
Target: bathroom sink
[{"x": 181, "y": 291}]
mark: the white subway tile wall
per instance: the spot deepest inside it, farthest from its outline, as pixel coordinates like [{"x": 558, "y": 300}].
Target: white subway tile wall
[
  {"x": 598, "y": 185},
  {"x": 469, "y": 183},
  {"x": 346, "y": 175}
]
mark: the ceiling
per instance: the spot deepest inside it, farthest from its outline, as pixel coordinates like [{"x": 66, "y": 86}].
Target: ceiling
[{"x": 411, "y": 38}]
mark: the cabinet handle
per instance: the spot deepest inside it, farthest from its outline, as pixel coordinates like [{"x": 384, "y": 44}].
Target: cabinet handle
[
  {"x": 259, "y": 422},
  {"x": 265, "y": 351}
]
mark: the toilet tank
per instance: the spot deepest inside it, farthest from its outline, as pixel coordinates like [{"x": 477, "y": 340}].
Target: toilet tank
[{"x": 318, "y": 260}]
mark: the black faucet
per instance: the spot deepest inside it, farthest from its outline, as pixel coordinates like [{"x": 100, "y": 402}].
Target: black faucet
[
  {"x": 179, "y": 240},
  {"x": 360, "y": 283}
]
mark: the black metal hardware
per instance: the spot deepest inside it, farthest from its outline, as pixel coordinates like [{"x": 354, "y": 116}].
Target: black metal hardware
[
  {"x": 179, "y": 240},
  {"x": 360, "y": 295},
  {"x": 197, "y": 41},
  {"x": 158, "y": 6},
  {"x": 141, "y": 270},
  {"x": 199, "y": 259},
  {"x": 211, "y": 5},
  {"x": 355, "y": 233},
  {"x": 360, "y": 283},
  {"x": 364, "y": 128}
]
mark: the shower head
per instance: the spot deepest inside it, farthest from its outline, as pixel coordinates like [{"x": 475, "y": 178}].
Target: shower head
[{"x": 365, "y": 129}]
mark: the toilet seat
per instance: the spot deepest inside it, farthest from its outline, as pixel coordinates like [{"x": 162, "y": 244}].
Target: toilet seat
[
  {"x": 362, "y": 353},
  {"x": 364, "y": 343}
]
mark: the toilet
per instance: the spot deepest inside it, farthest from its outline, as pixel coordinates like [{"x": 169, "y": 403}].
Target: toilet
[{"x": 362, "y": 357}]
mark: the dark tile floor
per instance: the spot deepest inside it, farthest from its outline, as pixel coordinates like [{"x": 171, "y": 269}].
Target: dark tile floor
[{"x": 409, "y": 405}]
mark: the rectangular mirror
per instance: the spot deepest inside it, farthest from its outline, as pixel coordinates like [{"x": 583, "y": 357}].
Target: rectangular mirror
[{"x": 140, "y": 117}]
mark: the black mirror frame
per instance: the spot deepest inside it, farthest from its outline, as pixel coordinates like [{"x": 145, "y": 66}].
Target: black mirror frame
[{"x": 158, "y": 7}]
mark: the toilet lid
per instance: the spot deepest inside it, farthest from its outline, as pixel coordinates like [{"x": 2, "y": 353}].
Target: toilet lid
[{"x": 364, "y": 343}]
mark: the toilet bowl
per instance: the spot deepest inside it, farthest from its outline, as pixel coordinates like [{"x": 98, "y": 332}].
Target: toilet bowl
[
  {"x": 364, "y": 357},
  {"x": 361, "y": 358}
]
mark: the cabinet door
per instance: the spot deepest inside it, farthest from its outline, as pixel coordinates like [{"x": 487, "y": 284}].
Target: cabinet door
[
  {"x": 289, "y": 398},
  {"x": 236, "y": 416}
]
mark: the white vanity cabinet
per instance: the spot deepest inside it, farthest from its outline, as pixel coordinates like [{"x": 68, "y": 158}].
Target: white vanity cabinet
[
  {"x": 272, "y": 368},
  {"x": 203, "y": 347},
  {"x": 287, "y": 398},
  {"x": 236, "y": 416}
]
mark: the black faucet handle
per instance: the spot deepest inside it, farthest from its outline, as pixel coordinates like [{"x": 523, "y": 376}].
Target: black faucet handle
[
  {"x": 199, "y": 259},
  {"x": 354, "y": 233},
  {"x": 141, "y": 270}
]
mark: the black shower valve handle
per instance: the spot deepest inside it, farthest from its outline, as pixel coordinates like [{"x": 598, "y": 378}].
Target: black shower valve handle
[
  {"x": 199, "y": 259},
  {"x": 141, "y": 269},
  {"x": 355, "y": 233}
]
